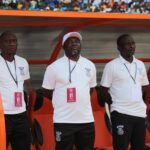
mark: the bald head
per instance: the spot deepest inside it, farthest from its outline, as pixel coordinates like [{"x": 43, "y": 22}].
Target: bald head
[
  {"x": 8, "y": 44},
  {"x": 126, "y": 46}
]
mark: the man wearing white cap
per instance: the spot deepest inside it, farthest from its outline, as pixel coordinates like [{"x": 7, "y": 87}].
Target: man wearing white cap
[{"x": 68, "y": 82}]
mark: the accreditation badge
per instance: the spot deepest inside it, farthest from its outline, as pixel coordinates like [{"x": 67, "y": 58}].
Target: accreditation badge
[
  {"x": 18, "y": 99},
  {"x": 71, "y": 95}
]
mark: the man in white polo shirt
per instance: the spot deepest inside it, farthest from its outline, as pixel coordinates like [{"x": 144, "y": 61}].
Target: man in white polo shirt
[
  {"x": 68, "y": 82},
  {"x": 14, "y": 72},
  {"x": 121, "y": 86}
]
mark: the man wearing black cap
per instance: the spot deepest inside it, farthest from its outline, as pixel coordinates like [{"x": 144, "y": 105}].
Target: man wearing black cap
[{"x": 68, "y": 82}]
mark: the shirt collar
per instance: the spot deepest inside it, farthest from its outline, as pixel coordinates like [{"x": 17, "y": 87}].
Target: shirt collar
[
  {"x": 125, "y": 61},
  {"x": 66, "y": 58}
]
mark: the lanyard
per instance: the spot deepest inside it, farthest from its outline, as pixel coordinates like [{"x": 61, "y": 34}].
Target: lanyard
[
  {"x": 15, "y": 79},
  {"x": 133, "y": 78},
  {"x": 71, "y": 70}
]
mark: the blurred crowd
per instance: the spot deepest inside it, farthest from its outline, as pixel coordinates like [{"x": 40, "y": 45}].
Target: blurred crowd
[{"x": 115, "y": 6}]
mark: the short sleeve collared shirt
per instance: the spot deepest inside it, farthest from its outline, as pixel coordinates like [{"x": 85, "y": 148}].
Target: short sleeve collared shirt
[
  {"x": 83, "y": 77},
  {"x": 19, "y": 70},
  {"x": 125, "y": 81}
]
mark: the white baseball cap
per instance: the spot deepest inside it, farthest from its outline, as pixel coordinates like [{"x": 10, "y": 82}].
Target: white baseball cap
[{"x": 71, "y": 34}]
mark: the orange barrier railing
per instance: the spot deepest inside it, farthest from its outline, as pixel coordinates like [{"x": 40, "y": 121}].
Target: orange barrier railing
[
  {"x": 2, "y": 128},
  {"x": 26, "y": 13}
]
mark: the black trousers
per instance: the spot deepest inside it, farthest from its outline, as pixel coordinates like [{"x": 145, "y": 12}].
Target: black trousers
[
  {"x": 127, "y": 130},
  {"x": 18, "y": 131},
  {"x": 80, "y": 135}
]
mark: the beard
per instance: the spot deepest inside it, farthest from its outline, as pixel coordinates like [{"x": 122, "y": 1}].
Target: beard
[{"x": 73, "y": 53}]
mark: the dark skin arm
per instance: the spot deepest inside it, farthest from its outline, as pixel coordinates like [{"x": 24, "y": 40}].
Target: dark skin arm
[
  {"x": 104, "y": 95},
  {"x": 91, "y": 91},
  {"x": 144, "y": 92},
  {"x": 28, "y": 89},
  {"x": 47, "y": 93},
  {"x": 28, "y": 86}
]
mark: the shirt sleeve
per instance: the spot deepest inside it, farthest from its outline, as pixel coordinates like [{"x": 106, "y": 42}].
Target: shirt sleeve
[
  {"x": 26, "y": 75},
  {"x": 107, "y": 76},
  {"x": 49, "y": 78},
  {"x": 145, "y": 78},
  {"x": 93, "y": 81}
]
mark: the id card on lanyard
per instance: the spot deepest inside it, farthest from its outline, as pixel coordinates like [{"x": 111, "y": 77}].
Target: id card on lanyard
[
  {"x": 71, "y": 95},
  {"x": 18, "y": 99},
  {"x": 71, "y": 91}
]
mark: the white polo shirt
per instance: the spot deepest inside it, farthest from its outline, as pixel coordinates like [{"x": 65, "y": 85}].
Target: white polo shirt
[
  {"x": 125, "y": 92},
  {"x": 8, "y": 86},
  {"x": 83, "y": 77}
]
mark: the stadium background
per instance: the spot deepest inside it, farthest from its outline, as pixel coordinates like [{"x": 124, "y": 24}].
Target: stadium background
[
  {"x": 40, "y": 33},
  {"x": 39, "y": 36}
]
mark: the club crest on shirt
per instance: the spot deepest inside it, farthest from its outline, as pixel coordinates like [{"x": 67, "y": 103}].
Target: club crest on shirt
[
  {"x": 140, "y": 71},
  {"x": 88, "y": 72},
  {"x": 120, "y": 129},
  {"x": 21, "y": 69}
]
